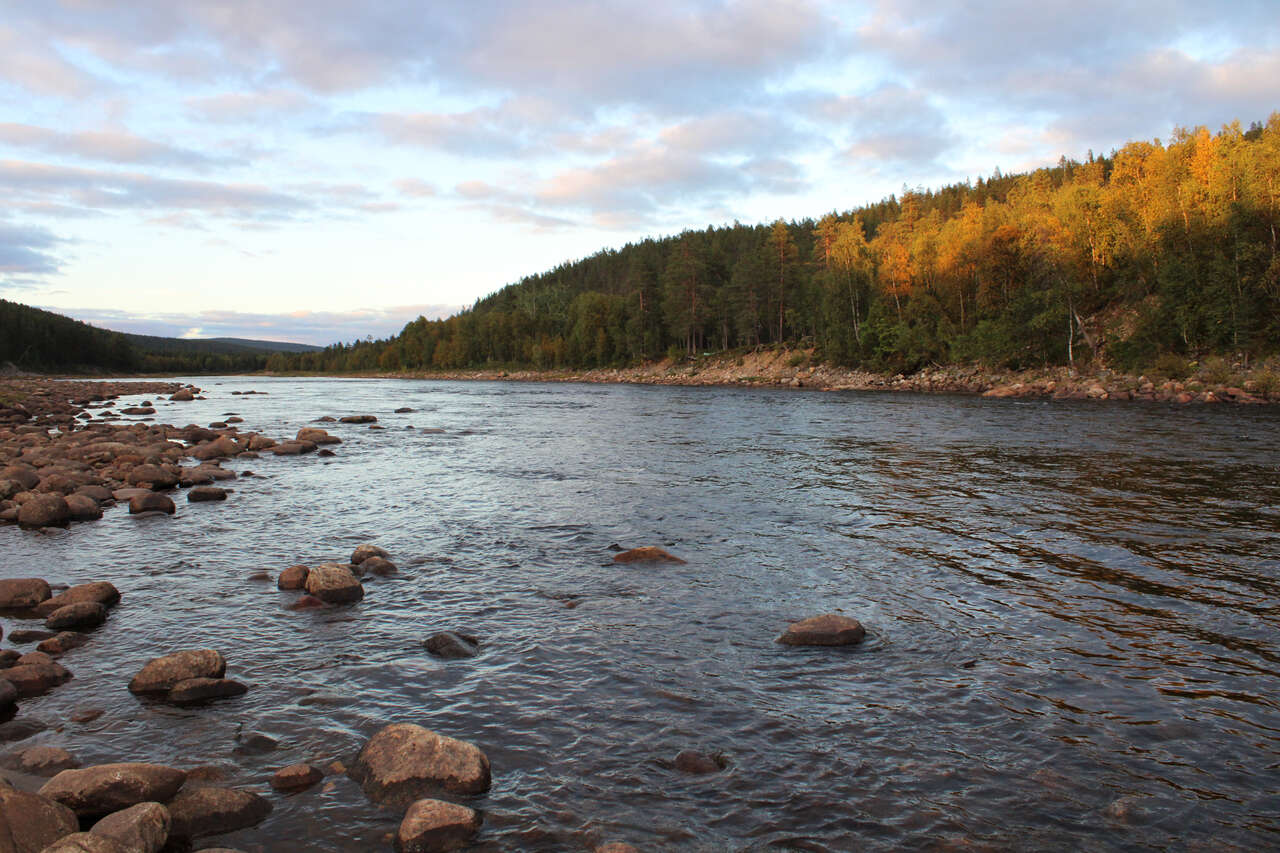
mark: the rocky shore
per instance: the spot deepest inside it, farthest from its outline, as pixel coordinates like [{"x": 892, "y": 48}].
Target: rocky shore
[{"x": 795, "y": 369}]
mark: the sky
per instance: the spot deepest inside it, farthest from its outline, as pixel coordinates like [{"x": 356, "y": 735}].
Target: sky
[{"x": 320, "y": 170}]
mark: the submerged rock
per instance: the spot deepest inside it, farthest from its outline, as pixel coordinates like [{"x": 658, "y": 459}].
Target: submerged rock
[
  {"x": 378, "y": 566},
  {"x": 193, "y": 690},
  {"x": 41, "y": 761},
  {"x": 106, "y": 788},
  {"x": 647, "y": 554},
  {"x": 830, "y": 629},
  {"x": 364, "y": 552},
  {"x": 435, "y": 825},
  {"x": 452, "y": 645},
  {"x": 697, "y": 763},
  {"x": 296, "y": 777},
  {"x": 62, "y": 642},
  {"x": 358, "y": 419},
  {"x": 161, "y": 674},
  {"x": 402, "y": 762}
]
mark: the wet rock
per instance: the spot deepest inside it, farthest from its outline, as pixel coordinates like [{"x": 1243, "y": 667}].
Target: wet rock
[
  {"x": 24, "y": 476},
  {"x": 403, "y": 410},
  {"x": 152, "y": 476},
  {"x": 434, "y": 825},
  {"x": 259, "y": 576},
  {"x": 364, "y": 552},
  {"x": 106, "y": 788},
  {"x": 30, "y": 658},
  {"x": 696, "y": 763},
  {"x": 138, "y": 410},
  {"x": 294, "y": 577},
  {"x": 402, "y": 762},
  {"x": 22, "y": 729},
  {"x": 35, "y": 679},
  {"x": 26, "y": 635},
  {"x": 202, "y": 494},
  {"x": 334, "y": 584},
  {"x": 29, "y": 823},
  {"x": 102, "y": 592},
  {"x": 193, "y": 690},
  {"x": 296, "y": 777},
  {"x": 647, "y": 554},
  {"x": 358, "y": 419},
  {"x": 86, "y": 842},
  {"x": 161, "y": 674},
  {"x": 152, "y": 502},
  {"x": 101, "y": 494},
  {"x": 293, "y": 448},
  {"x": 77, "y": 617},
  {"x": 44, "y": 510},
  {"x": 198, "y": 812},
  {"x": 830, "y": 629},
  {"x": 63, "y": 642},
  {"x": 254, "y": 743},
  {"x": 184, "y": 395},
  {"x": 86, "y": 715},
  {"x": 143, "y": 828},
  {"x": 83, "y": 508},
  {"x": 22, "y": 593},
  {"x": 452, "y": 646},
  {"x": 306, "y": 602},
  {"x": 317, "y": 436},
  {"x": 40, "y": 761},
  {"x": 325, "y": 452},
  {"x": 128, "y": 494},
  {"x": 8, "y": 657},
  {"x": 378, "y": 566}
]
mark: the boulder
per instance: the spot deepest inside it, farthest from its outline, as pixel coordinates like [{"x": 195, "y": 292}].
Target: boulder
[
  {"x": 22, "y": 593},
  {"x": 830, "y": 629},
  {"x": 26, "y": 477},
  {"x": 647, "y": 554},
  {"x": 152, "y": 476},
  {"x": 193, "y": 690},
  {"x": 292, "y": 448},
  {"x": 8, "y": 657},
  {"x": 696, "y": 763},
  {"x": 77, "y": 617},
  {"x": 317, "y": 436},
  {"x": 86, "y": 842},
  {"x": 451, "y": 645},
  {"x": 294, "y": 577},
  {"x": 434, "y": 825},
  {"x": 333, "y": 583},
  {"x": 36, "y": 657},
  {"x": 102, "y": 592},
  {"x": 143, "y": 828},
  {"x": 28, "y": 635},
  {"x": 62, "y": 642},
  {"x": 378, "y": 566},
  {"x": 35, "y": 679},
  {"x": 101, "y": 494},
  {"x": 162, "y": 674},
  {"x": 183, "y": 395},
  {"x": 128, "y": 494},
  {"x": 29, "y": 823},
  {"x": 364, "y": 552},
  {"x": 201, "y": 494},
  {"x": 197, "y": 812},
  {"x": 296, "y": 777},
  {"x": 358, "y": 419},
  {"x": 402, "y": 762},
  {"x": 44, "y": 510},
  {"x": 138, "y": 410},
  {"x": 41, "y": 761},
  {"x": 151, "y": 502},
  {"x": 83, "y": 508},
  {"x": 106, "y": 788}
]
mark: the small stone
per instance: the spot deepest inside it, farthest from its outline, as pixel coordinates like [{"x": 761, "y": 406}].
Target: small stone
[
  {"x": 451, "y": 645},
  {"x": 647, "y": 554},
  {"x": 434, "y": 825},
  {"x": 193, "y": 690},
  {"x": 830, "y": 629},
  {"x": 296, "y": 777},
  {"x": 294, "y": 577},
  {"x": 364, "y": 552}
]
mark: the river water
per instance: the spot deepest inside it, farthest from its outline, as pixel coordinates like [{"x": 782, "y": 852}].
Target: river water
[{"x": 1072, "y": 614}]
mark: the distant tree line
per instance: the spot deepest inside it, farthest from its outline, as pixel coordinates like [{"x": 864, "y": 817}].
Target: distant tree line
[{"x": 1157, "y": 249}]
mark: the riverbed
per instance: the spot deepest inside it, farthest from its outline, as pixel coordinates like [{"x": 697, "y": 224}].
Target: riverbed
[{"x": 1073, "y": 615}]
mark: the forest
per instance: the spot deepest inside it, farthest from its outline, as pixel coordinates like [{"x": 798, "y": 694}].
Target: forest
[{"x": 1156, "y": 251}]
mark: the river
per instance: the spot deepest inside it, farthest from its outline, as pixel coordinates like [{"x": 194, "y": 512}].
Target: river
[{"x": 1073, "y": 616}]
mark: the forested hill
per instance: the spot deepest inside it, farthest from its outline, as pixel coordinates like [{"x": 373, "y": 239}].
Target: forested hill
[
  {"x": 34, "y": 339},
  {"x": 1160, "y": 249}
]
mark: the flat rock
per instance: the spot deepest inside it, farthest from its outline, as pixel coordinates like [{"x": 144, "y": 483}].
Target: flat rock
[
  {"x": 193, "y": 690},
  {"x": 204, "y": 494},
  {"x": 77, "y": 617},
  {"x": 358, "y": 419},
  {"x": 296, "y": 777},
  {"x": 829, "y": 629},
  {"x": 29, "y": 823},
  {"x": 402, "y": 762},
  {"x": 22, "y": 593},
  {"x": 162, "y": 673},
  {"x": 29, "y": 635},
  {"x": 647, "y": 554},
  {"x": 452, "y": 645},
  {"x": 197, "y": 812},
  {"x": 435, "y": 825},
  {"x": 143, "y": 828},
  {"x": 294, "y": 577},
  {"x": 152, "y": 476},
  {"x": 41, "y": 761},
  {"x": 333, "y": 583},
  {"x": 106, "y": 788},
  {"x": 102, "y": 592},
  {"x": 317, "y": 436},
  {"x": 35, "y": 679}
]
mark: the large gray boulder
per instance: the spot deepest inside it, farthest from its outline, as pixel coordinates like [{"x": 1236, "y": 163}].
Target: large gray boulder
[{"x": 404, "y": 762}]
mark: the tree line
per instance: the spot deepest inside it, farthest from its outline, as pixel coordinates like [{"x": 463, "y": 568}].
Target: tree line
[{"x": 1156, "y": 249}]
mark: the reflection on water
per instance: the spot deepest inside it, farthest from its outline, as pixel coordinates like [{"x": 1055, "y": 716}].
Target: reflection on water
[{"x": 1072, "y": 612}]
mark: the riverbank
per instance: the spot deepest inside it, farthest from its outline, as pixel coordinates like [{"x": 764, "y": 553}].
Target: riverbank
[{"x": 1210, "y": 383}]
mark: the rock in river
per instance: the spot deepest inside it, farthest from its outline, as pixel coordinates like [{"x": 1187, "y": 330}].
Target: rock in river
[
  {"x": 364, "y": 552},
  {"x": 202, "y": 494},
  {"x": 647, "y": 554},
  {"x": 29, "y": 822},
  {"x": 434, "y": 825},
  {"x": 44, "y": 510},
  {"x": 86, "y": 842},
  {"x": 106, "y": 788},
  {"x": 35, "y": 679},
  {"x": 100, "y": 591},
  {"x": 334, "y": 583},
  {"x": 829, "y": 629},
  {"x": 294, "y": 577},
  {"x": 161, "y": 674},
  {"x": 198, "y": 812},
  {"x": 41, "y": 761},
  {"x": 153, "y": 502},
  {"x": 143, "y": 828},
  {"x": 451, "y": 645},
  {"x": 62, "y": 642},
  {"x": 402, "y": 762},
  {"x": 193, "y": 690},
  {"x": 77, "y": 617},
  {"x": 19, "y": 593},
  {"x": 296, "y": 777}
]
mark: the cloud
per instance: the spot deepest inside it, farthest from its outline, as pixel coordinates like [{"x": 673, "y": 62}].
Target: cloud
[
  {"x": 475, "y": 133},
  {"x": 238, "y": 107},
  {"x": 24, "y": 252},
  {"x": 107, "y": 145},
  {"x": 414, "y": 188},
  {"x": 320, "y": 328}
]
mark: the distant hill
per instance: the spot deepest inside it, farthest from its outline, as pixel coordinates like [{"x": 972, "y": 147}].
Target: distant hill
[{"x": 221, "y": 346}]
